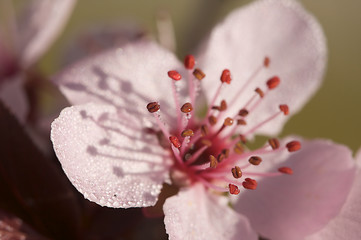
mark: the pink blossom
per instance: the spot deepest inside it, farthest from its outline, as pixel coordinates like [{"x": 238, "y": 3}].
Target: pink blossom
[
  {"x": 136, "y": 124},
  {"x": 22, "y": 42}
]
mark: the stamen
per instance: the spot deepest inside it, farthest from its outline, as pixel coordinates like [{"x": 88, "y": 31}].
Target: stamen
[
  {"x": 273, "y": 82},
  {"x": 199, "y": 74},
  {"x": 284, "y": 108},
  {"x": 243, "y": 112},
  {"x": 195, "y": 156},
  {"x": 274, "y": 143},
  {"x": 212, "y": 161},
  {"x": 236, "y": 172},
  {"x": 293, "y": 146},
  {"x": 186, "y": 108},
  {"x": 212, "y": 120},
  {"x": 174, "y": 140},
  {"x": 225, "y": 152},
  {"x": 238, "y": 148},
  {"x": 226, "y": 76},
  {"x": 153, "y": 107},
  {"x": 189, "y": 62},
  {"x": 204, "y": 130},
  {"x": 187, "y": 133},
  {"x": 221, "y": 157},
  {"x": 249, "y": 183},
  {"x": 255, "y": 160},
  {"x": 243, "y": 138},
  {"x": 262, "y": 123},
  {"x": 174, "y": 75},
  {"x": 241, "y": 122},
  {"x": 228, "y": 121},
  {"x": 285, "y": 170},
  {"x": 266, "y": 62},
  {"x": 233, "y": 189},
  {"x": 259, "y": 92}
]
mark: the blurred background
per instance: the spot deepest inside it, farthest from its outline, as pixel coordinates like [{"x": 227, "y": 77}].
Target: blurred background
[{"x": 333, "y": 113}]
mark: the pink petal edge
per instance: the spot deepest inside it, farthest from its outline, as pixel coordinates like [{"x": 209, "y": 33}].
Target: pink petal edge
[{"x": 295, "y": 206}]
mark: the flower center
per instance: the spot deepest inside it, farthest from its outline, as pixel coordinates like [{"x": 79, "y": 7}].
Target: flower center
[{"x": 212, "y": 150}]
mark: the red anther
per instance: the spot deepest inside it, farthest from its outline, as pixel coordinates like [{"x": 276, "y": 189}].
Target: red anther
[
  {"x": 285, "y": 170},
  {"x": 186, "y": 108},
  {"x": 284, "y": 108},
  {"x": 255, "y": 160},
  {"x": 274, "y": 143},
  {"x": 212, "y": 120},
  {"x": 199, "y": 74},
  {"x": 293, "y": 146},
  {"x": 174, "y": 75},
  {"x": 273, "y": 82},
  {"x": 204, "y": 130},
  {"x": 174, "y": 140},
  {"x": 266, "y": 61},
  {"x": 189, "y": 62},
  {"x": 233, "y": 189},
  {"x": 221, "y": 157},
  {"x": 243, "y": 112},
  {"x": 241, "y": 122},
  {"x": 236, "y": 172},
  {"x": 153, "y": 107},
  {"x": 259, "y": 92},
  {"x": 228, "y": 121},
  {"x": 223, "y": 105},
  {"x": 243, "y": 138},
  {"x": 187, "y": 133},
  {"x": 225, "y": 152},
  {"x": 226, "y": 76},
  {"x": 238, "y": 148},
  {"x": 212, "y": 161},
  {"x": 249, "y": 183}
]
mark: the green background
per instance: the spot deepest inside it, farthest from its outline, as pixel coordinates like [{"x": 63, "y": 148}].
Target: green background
[{"x": 333, "y": 113}]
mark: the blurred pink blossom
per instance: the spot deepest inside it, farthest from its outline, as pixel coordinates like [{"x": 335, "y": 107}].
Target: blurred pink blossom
[{"x": 23, "y": 39}]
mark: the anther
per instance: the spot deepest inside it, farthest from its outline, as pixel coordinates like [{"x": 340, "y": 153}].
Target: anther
[
  {"x": 285, "y": 170},
  {"x": 243, "y": 112},
  {"x": 223, "y": 105},
  {"x": 238, "y": 148},
  {"x": 212, "y": 161},
  {"x": 266, "y": 62},
  {"x": 284, "y": 108},
  {"x": 153, "y": 107},
  {"x": 293, "y": 146},
  {"x": 274, "y": 143},
  {"x": 233, "y": 189},
  {"x": 187, "y": 133},
  {"x": 226, "y": 76},
  {"x": 241, "y": 122},
  {"x": 174, "y": 140},
  {"x": 273, "y": 82},
  {"x": 199, "y": 74},
  {"x": 212, "y": 120},
  {"x": 206, "y": 142},
  {"x": 228, "y": 121},
  {"x": 243, "y": 138},
  {"x": 174, "y": 75},
  {"x": 259, "y": 92},
  {"x": 255, "y": 160},
  {"x": 204, "y": 130},
  {"x": 225, "y": 152},
  {"x": 186, "y": 108},
  {"x": 189, "y": 62},
  {"x": 236, "y": 172},
  {"x": 250, "y": 184},
  {"x": 220, "y": 157}
]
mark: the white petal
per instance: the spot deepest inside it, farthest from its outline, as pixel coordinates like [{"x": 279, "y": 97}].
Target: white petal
[{"x": 108, "y": 157}]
